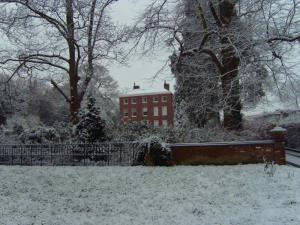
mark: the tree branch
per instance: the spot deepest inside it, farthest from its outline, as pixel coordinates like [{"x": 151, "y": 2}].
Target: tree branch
[
  {"x": 214, "y": 13},
  {"x": 61, "y": 28},
  {"x": 60, "y": 91},
  {"x": 207, "y": 52},
  {"x": 284, "y": 39}
]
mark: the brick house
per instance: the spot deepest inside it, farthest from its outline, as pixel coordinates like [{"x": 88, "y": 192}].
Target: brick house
[{"x": 154, "y": 107}]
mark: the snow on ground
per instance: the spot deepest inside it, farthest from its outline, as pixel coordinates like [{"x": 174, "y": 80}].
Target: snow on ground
[{"x": 206, "y": 195}]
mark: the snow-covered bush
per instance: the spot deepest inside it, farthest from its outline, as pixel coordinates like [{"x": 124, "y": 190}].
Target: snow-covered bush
[
  {"x": 158, "y": 153},
  {"x": 64, "y": 131},
  {"x": 153, "y": 152},
  {"x": 91, "y": 127},
  {"x": 169, "y": 135},
  {"x": 30, "y": 130},
  {"x": 136, "y": 131},
  {"x": 289, "y": 118},
  {"x": 2, "y": 137},
  {"x": 39, "y": 135},
  {"x": 131, "y": 132},
  {"x": 141, "y": 151},
  {"x": 209, "y": 134},
  {"x": 293, "y": 135},
  {"x": 26, "y": 122},
  {"x": 257, "y": 129},
  {"x": 2, "y": 117},
  {"x": 259, "y": 126}
]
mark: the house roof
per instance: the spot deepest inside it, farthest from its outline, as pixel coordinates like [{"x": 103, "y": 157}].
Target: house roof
[{"x": 144, "y": 92}]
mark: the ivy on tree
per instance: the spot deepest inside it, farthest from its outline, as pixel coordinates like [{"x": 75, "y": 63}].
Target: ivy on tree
[{"x": 91, "y": 127}]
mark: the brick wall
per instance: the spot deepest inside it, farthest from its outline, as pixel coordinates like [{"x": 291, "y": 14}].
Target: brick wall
[
  {"x": 228, "y": 153},
  {"x": 232, "y": 153}
]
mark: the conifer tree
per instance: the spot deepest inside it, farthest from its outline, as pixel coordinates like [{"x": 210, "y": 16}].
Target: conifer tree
[{"x": 91, "y": 127}]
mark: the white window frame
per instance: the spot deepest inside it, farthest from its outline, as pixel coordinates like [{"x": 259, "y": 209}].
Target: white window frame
[
  {"x": 124, "y": 113},
  {"x": 154, "y": 111},
  {"x": 144, "y": 100},
  {"x": 133, "y": 110},
  {"x": 155, "y": 99},
  {"x": 165, "y": 123},
  {"x": 164, "y": 98},
  {"x": 145, "y": 110},
  {"x": 164, "y": 110},
  {"x": 125, "y": 101},
  {"x": 156, "y": 123},
  {"x": 133, "y": 102}
]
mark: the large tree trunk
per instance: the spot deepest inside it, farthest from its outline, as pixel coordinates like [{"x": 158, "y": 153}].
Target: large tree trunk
[
  {"x": 73, "y": 68},
  {"x": 231, "y": 90},
  {"x": 231, "y": 62},
  {"x": 196, "y": 90}
]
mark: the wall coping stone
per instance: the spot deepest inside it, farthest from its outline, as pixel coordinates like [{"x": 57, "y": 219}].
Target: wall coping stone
[{"x": 220, "y": 143}]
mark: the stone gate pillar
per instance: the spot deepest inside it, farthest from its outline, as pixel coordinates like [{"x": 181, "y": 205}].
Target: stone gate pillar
[{"x": 279, "y": 136}]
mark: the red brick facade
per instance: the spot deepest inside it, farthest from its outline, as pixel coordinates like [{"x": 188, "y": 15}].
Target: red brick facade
[{"x": 154, "y": 108}]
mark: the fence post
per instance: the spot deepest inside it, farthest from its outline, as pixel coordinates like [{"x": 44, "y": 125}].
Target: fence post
[
  {"x": 41, "y": 150},
  {"x": 73, "y": 157},
  {"x": 133, "y": 156},
  {"x": 109, "y": 151},
  {"x": 51, "y": 157},
  {"x": 12, "y": 155},
  {"x": 120, "y": 154},
  {"x": 29, "y": 153},
  {"x": 84, "y": 153},
  {"x": 21, "y": 155}
]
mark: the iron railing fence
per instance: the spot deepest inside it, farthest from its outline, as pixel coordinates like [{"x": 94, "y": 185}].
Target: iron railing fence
[{"x": 98, "y": 154}]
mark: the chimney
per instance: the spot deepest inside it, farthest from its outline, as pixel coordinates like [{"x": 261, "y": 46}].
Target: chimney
[
  {"x": 167, "y": 86},
  {"x": 135, "y": 86}
]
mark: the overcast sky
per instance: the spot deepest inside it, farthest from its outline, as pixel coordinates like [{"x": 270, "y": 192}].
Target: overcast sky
[{"x": 139, "y": 70}]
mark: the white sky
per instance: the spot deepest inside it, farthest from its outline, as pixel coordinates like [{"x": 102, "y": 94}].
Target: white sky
[{"x": 139, "y": 69}]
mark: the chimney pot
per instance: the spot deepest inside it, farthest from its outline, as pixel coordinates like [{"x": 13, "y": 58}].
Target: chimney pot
[
  {"x": 135, "y": 86},
  {"x": 167, "y": 86}
]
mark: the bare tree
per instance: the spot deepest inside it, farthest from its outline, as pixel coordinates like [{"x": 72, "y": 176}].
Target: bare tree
[
  {"x": 46, "y": 36},
  {"x": 197, "y": 82},
  {"x": 239, "y": 37}
]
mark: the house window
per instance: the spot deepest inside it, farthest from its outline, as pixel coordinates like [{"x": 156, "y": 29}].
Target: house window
[
  {"x": 125, "y": 112},
  {"x": 164, "y": 99},
  {"x": 164, "y": 110},
  {"x": 133, "y": 101},
  {"x": 145, "y": 100},
  {"x": 133, "y": 112},
  {"x": 165, "y": 123},
  {"x": 156, "y": 123},
  {"x": 155, "y": 111},
  {"x": 125, "y": 101},
  {"x": 145, "y": 111},
  {"x": 155, "y": 99}
]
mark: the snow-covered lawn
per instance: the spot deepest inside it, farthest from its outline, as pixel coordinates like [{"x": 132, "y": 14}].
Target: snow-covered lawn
[{"x": 204, "y": 195}]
